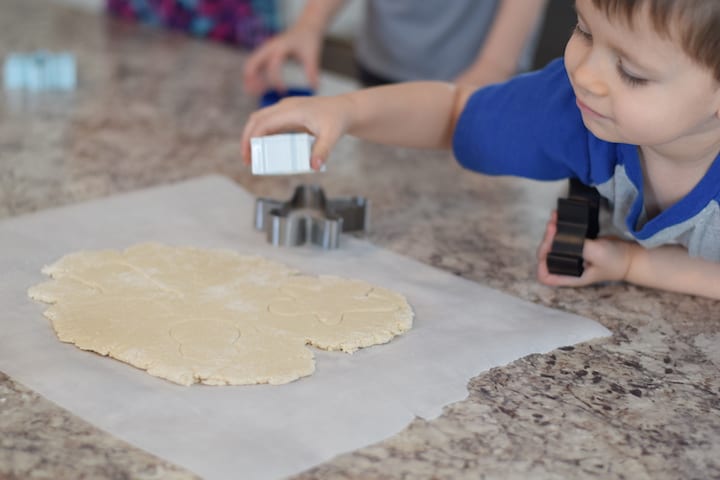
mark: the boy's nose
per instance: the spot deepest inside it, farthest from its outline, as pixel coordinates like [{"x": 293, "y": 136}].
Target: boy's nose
[{"x": 589, "y": 76}]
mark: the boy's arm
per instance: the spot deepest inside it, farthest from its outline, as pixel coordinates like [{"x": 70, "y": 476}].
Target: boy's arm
[
  {"x": 415, "y": 114},
  {"x": 669, "y": 267},
  {"x": 498, "y": 59}
]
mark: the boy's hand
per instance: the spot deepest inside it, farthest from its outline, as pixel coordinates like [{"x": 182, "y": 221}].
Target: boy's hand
[
  {"x": 326, "y": 118},
  {"x": 263, "y": 70},
  {"x": 606, "y": 259}
]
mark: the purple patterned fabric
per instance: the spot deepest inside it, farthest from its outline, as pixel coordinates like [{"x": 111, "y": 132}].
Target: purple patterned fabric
[{"x": 243, "y": 22}]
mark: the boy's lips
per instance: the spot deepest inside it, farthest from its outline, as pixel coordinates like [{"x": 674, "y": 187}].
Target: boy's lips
[{"x": 587, "y": 110}]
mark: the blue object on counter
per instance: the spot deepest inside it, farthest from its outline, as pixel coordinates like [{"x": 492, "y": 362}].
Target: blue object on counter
[
  {"x": 40, "y": 70},
  {"x": 273, "y": 96}
]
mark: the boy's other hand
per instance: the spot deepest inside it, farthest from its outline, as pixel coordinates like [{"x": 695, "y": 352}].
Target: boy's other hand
[{"x": 606, "y": 259}]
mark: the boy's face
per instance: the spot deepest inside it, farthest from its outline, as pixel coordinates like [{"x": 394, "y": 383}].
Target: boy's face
[{"x": 637, "y": 87}]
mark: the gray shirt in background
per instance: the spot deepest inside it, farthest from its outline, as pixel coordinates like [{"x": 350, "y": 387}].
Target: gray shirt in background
[{"x": 427, "y": 39}]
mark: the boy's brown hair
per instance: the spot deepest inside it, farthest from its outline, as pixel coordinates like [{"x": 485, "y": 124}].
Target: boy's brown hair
[{"x": 697, "y": 27}]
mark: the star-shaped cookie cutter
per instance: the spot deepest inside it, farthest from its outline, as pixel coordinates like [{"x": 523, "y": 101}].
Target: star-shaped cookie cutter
[{"x": 310, "y": 216}]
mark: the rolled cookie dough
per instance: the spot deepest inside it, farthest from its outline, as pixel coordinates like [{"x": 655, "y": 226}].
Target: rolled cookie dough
[{"x": 194, "y": 315}]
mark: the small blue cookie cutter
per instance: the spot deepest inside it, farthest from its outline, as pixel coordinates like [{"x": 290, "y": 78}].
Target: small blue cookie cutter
[
  {"x": 271, "y": 97},
  {"x": 40, "y": 70}
]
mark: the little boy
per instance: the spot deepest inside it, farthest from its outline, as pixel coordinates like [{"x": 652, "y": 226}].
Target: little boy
[{"x": 633, "y": 109}]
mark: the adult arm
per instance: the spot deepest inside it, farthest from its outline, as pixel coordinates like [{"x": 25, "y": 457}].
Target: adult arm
[{"x": 498, "y": 59}]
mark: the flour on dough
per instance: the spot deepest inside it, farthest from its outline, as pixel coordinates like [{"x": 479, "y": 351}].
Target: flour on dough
[{"x": 194, "y": 315}]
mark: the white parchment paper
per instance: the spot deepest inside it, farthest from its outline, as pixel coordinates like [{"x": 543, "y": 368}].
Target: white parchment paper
[{"x": 257, "y": 432}]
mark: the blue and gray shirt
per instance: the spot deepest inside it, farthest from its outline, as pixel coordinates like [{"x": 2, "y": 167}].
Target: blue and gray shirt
[{"x": 531, "y": 127}]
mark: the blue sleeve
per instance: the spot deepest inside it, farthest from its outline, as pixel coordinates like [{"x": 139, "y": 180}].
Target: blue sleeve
[{"x": 529, "y": 126}]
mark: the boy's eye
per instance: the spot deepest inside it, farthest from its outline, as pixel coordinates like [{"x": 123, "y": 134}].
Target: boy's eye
[
  {"x": 582, "y": 32},
  {"x": 630, "y": 79}
]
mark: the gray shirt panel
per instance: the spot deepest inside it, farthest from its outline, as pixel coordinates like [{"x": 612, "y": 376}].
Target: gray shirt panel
[
  {"x": 700, "y": 234},
  {"x": 427, "y": 39}
]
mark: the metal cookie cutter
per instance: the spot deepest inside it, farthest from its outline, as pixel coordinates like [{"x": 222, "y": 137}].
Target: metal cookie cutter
[{"x": 309, "y": 215}]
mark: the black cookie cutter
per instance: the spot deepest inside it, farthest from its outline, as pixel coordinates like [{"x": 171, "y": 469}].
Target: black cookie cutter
[
  {"x": 310, "y": 216},
  {"x": 578, "y": 219}
]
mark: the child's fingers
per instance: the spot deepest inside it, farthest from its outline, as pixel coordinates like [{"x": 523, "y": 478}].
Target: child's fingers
[
  {"x": 321, "y": 149},
  {"x": 274, "y": 71},
  {"x": 317, "y": 116},
  {"x": 544, "y": 275},
  {"x": 546, "y": 243},
  {"x": 250, "y": 130},
  {"x": 598, "y": 266},
  {"x": 254, "y": 70},
  {"x": 260, "y": 123},
  {"x": 245, "y": 144},
  {"x": 289, "y": 115},
  {"x": 272, "y": 119},
  {"x": 312, "y": 73},
  {"x": 611, "y": 256}
]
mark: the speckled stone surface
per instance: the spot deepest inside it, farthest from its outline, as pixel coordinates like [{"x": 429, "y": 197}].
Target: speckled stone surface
[{"x": 154, "y": 107}]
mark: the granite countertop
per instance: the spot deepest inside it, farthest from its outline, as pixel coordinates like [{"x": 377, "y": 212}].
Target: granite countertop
[{"x": 154, "y": 107}]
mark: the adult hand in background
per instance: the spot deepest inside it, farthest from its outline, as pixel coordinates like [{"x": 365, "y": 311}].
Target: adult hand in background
[
  {"x": 263, "y": 69},
  {"x": 302, "y": 42}
]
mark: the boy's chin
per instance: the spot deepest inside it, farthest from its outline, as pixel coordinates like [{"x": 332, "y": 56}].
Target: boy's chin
[{"x": 602, "y": 133}]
